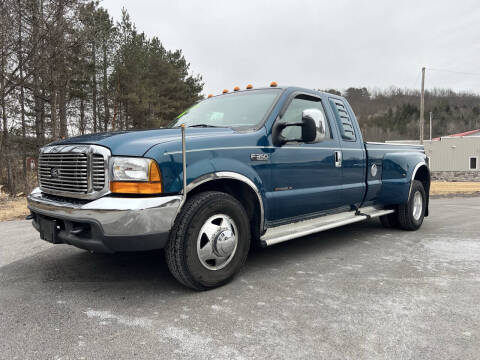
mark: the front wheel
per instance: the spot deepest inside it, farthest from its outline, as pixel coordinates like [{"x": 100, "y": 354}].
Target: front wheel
[
  {"x": 209, "y": 242},
  {"x": 411, "y": 214}
]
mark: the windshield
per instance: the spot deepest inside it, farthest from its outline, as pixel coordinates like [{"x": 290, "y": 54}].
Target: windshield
[{"x": 236, "y": 110}]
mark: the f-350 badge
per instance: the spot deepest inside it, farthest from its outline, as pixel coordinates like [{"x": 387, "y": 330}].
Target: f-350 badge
[{"x": 259, "y": 157}]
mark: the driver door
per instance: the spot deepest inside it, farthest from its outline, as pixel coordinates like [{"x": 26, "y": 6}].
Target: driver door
[{"x": 304, "y": 178}]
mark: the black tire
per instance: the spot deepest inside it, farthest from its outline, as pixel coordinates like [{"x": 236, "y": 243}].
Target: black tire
[
  {"x": 389, "y": 221},
  {"x": 406, "y": 218},
  {"x": 181, "y": 251}
]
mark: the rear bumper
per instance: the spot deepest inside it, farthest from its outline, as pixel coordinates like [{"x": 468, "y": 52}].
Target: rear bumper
[{"x": 108, "y": 224}]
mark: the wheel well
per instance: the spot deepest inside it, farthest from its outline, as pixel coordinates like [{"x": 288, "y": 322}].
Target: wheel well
[
  {"x": 423, "y": 175},
  {"x": 240, "y": 191}
]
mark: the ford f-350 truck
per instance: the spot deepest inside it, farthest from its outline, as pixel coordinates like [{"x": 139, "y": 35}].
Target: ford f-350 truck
[{"x": 251, "y": 167}]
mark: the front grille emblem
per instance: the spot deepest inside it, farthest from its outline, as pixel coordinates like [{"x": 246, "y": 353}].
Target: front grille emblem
[{"x": 54, "y": 172}]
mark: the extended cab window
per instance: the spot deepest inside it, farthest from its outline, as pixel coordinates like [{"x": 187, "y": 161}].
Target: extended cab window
[
  {"x": 294, "y": 115},
  {"x": 344, "y": 120},
  {"x": 244, "y": 109}
]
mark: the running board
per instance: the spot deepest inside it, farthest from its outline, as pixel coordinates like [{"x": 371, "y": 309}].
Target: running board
[{"x": 290, "y": 231}]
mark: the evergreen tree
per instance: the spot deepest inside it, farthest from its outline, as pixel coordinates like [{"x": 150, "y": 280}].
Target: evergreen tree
[{"x": 67, "y": 69}]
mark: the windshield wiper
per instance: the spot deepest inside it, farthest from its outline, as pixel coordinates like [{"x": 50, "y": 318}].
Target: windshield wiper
[{"x": 203, "y": 125}]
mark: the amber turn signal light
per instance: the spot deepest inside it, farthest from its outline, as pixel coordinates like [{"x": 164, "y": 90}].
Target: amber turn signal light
[
  {"x": 152, "y": 186},
  {"x": 145, "y": 188}
]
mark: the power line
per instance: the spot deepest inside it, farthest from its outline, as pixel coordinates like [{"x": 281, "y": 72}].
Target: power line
[
  {"x": 416, "y": 79},
  {"x": 454, "y": 72}
]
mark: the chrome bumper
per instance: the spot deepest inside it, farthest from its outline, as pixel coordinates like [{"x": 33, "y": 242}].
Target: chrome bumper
[{"x": 116, "y": 216}]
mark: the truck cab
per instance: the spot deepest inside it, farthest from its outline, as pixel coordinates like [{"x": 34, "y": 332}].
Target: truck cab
[{"x": 252, "y": 167}]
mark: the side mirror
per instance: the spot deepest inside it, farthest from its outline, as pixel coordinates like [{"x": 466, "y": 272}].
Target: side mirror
[
  {"x": 312, "y": 128},
  {"x": 314, "y": 125}
]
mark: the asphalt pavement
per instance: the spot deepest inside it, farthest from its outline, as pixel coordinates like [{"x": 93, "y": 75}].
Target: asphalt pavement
[{"x": 358, "y": 292}]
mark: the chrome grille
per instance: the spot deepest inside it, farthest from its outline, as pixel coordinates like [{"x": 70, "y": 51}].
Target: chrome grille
[
  {"x": 98, "y": 172},
  {"x": 76, "y": 171},
  {"x": 64, "y": 172}
]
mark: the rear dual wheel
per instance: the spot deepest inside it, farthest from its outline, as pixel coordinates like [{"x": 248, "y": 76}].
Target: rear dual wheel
[
  {"x": 209, "y": 242},
  {"x": 409, "y": 216}
]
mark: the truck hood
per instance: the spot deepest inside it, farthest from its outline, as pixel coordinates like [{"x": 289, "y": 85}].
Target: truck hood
[{"x": 137, "y": 143}]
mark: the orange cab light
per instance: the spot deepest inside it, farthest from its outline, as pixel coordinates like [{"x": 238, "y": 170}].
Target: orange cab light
[
  {"x": 224, "y": 91},
  {"x": 273, "y": 84},
  {"x": 210, "y": 95},
  {"x": 249, "y": 86},
  {"x": 236, "y": 88},
  {"x": 153, "y": 186}
]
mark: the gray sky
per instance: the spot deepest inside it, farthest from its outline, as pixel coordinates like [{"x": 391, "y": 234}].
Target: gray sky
[{"x": 317, "y": 44}]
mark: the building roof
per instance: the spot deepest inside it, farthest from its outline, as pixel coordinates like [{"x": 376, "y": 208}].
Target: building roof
[{"x": 466, "y": 133}]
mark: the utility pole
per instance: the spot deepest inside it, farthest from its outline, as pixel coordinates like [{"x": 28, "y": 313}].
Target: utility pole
[
  {"x": 422, "y": 105},
  {"x": 430, "y": 125}
]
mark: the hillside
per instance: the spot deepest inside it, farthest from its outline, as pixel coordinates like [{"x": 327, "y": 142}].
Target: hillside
[{"x": 393, "y": 114}]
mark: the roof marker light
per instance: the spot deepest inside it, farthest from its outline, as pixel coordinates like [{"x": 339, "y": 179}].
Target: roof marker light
[
  {"x": 210, "y": 95},
  {"x": 249, "y": 86},
  {"x": 224, "y": 91},
  {"x": 236, "y": 88},
  {"x": 273, "y": 84}
]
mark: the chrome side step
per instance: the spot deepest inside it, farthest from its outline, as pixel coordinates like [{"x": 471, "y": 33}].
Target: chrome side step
[{"x": 298, "y": 229}]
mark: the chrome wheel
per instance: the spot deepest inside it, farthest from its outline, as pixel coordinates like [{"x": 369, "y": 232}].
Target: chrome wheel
[
  {"x": 417, "y": 205},
  {"x": 217, "y": 242}
]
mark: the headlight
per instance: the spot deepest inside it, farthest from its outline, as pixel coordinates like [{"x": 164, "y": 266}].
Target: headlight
[
  {"x": 135, "y": 176},
  {"x": 125, "y": 169}
]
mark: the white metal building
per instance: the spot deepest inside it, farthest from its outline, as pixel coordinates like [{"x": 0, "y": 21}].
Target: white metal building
[
  {"x": 453, "y": 158},
  {"x": 458, "y": 152}
]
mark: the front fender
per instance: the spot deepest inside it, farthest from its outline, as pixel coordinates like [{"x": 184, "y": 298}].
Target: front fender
[
  {"x": 198, "y": 166},
  {"x": 207, "y": 163}
]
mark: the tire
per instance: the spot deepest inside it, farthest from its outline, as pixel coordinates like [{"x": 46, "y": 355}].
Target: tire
[
  {"x": 209, "y": 241},
  {"x": 389, "y": 221},
  {"x": 410, "y": 217}
]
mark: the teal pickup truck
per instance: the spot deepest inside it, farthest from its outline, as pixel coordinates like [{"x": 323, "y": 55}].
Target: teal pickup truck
[{"x": 251, "y": 167}]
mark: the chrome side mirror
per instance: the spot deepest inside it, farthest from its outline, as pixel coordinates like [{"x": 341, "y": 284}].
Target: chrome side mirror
[
  {"x": 312, "y": 128},
  {"x": 316, "y": 117}
]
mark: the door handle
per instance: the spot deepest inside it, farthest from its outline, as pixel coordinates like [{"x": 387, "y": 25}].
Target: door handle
[{"x": 338, "y": 159}]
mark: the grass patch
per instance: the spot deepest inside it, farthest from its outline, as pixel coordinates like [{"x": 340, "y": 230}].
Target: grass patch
[
  {"x": 13, "y": 208},
  {"x": 447, "y": 188}
]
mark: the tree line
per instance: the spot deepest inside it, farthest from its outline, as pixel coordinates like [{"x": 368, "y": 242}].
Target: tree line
[{"x": 66, "y": 69}]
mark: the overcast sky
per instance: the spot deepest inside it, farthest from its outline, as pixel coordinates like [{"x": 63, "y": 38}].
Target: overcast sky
[{"x": 317, "y": 44}]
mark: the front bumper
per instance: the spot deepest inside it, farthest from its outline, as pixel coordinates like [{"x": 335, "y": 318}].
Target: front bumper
[{"x": 108, "y": 224}]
